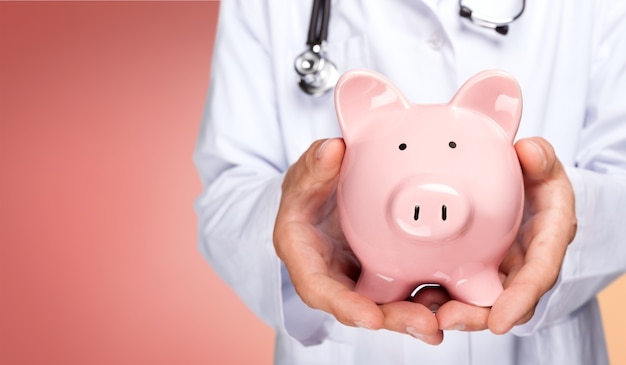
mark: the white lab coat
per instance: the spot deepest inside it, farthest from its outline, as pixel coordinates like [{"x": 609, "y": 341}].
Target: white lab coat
[{"x": 570, "y": 59}]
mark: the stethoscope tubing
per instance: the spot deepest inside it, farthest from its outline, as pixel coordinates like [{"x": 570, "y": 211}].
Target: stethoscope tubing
[
  {"x": 318, "y": 33},
  {"x": 317, "y": 74}
]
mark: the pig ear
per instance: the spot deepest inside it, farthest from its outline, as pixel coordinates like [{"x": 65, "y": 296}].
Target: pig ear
[
  {"x": 363, "y": 98},
  {"x": 495, "y": 94}
]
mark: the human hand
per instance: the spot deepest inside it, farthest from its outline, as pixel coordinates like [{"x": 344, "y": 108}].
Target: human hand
[
  {"x": 534, "y": 261},
  {"x": 308, "y": 238}
]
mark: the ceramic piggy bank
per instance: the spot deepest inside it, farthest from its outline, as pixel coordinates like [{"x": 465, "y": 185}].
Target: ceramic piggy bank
[{"x": 429, "y": 194}]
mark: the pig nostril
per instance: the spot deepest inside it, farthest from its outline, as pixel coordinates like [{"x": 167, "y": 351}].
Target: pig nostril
[
  {"x": 416, "y": 212},
  {"x": 444, "y": 212}
]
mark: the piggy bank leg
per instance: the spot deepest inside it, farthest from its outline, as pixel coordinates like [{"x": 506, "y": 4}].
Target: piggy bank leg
[
  {"x": 382, "y": 289},
  {"x": 480, "y": 289}
]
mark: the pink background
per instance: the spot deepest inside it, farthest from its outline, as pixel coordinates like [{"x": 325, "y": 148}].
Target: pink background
[{"x": 100, "y": 104}]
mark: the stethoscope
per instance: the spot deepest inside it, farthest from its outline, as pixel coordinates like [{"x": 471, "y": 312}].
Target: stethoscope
[{"x": 317, "y": 74}]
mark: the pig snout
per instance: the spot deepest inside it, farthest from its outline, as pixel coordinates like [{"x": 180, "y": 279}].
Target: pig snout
[{"x": 430, "y": 211}]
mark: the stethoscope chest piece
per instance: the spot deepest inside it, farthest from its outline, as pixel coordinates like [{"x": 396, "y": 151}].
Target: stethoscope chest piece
[{"x": 316, "y": 73}]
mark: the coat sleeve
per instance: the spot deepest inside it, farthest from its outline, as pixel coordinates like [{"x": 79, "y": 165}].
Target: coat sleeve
[
  {"x": 597, "y": 256},
  {"x": 240, "y": 157}
]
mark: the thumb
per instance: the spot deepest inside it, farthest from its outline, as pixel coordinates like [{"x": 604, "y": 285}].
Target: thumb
[
  {"x": 537, "y": 158},
  {"x": 324, "y": 159},
  {"x": 311, "y": 181}
]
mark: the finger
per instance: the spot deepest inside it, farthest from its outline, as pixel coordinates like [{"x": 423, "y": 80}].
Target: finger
[
  {"x": 329, "y": 156},
  {"x": 458, "y": 316},
  {"x": 322, "y": 292},
  {"x": 323, "y": 160},
  {"x": 546, "y": 182},
  {"x": 319, "y": 290},
  {"x": 537, "y": 158},
  {"x": 310, "y": 182},
  {"x": 550, "y": 227},
  {"x": 515, "y": 306},
  {"x": 307, "y": 190},
  {"x": 414, "y": 319},
  {"x": 517, "y": 303},
  {"x": 546, "y": 237},
  {"x": 303, "y": 251}
]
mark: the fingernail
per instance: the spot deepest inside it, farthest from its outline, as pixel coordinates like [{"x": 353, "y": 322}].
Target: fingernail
[
  {"x": 457, "y": 327},
  {"x": 413, "y": 332},
  {"x": 363, "y": 324},
  {"x": 424, "y": 338},
  {"x": 544, "y": 161},
  {"x": 321, "y": 148}
]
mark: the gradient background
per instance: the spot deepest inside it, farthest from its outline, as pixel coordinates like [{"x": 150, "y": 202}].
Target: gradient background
[{"x": 100, "y": 104}]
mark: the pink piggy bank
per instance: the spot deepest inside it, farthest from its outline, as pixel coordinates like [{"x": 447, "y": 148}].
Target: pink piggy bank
[{"x": 429, "y": 194}]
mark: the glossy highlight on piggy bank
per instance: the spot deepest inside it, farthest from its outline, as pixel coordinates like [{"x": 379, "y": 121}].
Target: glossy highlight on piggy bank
[{"x": 429, "y": 194}]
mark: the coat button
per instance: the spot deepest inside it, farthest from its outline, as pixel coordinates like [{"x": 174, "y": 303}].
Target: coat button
[{"x": 436, "y": 41}]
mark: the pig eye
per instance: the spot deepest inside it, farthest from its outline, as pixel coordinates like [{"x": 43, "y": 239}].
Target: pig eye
[
  {"x": 402, "y": 146},
  {"x": 452, "y": 144}
]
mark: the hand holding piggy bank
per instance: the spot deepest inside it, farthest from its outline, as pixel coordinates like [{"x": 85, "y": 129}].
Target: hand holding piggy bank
[{"x": 429, "y": 194}]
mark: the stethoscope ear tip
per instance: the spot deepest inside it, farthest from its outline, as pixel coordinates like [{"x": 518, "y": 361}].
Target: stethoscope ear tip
[
  {"x": 502, "y": 29},
  {"x": 317, "y": 75},
  {"x": 500, "y": 25},
  {"x": 465, "y": 12}
]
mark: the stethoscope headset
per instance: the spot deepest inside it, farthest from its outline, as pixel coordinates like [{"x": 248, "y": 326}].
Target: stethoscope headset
[{"x": 317, "y": 74}]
